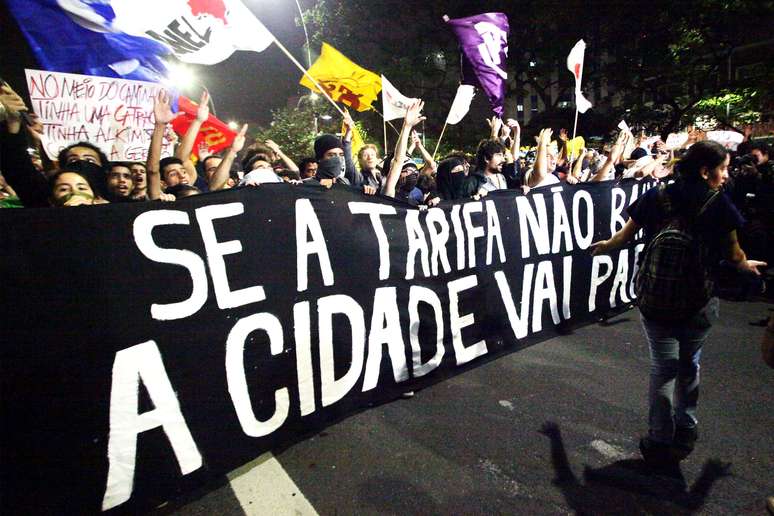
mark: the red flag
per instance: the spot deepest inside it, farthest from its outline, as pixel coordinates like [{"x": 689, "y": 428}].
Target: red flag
[{"x": 214, "y": 132}]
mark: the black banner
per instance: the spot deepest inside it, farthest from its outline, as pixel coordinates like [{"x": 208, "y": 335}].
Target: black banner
[{"x": 149, "y": 347}]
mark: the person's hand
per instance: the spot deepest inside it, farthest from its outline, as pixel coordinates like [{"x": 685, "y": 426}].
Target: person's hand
[
  {"x": 545, "y": 137},
  {"x": 162, "y": 109},
  {"x": 239, "y": 140},
  {"x": 166, "y": 197},
  {"x": 327, "y": 183},
  {"x": 204, "y": 150},
  {"x": 415, "y": 140},
  {"x": 203, "y": 111},
  {"x": 505, "y": 132},
  {"x": 414, "y": 114},
  {"x": 432, "y": 199},
  {"x": 571, "y": 179},
  {"x": 525, "y": 189},
  {"x": 271, "y": 144},
  {"x": 514, "y": 125},
  {"x": 495, "y": 124},
  {"x": 11, "y": 101},
  {"x": 601, "y": 247},
  {"x": 751, "y": 266},
  {"x": 35, "y": 129},
  {"x": 347, "y": 120},
  {"x": 369, "y": 190},
  {"x": 481, "y": 193},
  {"x": 78, "y": 200}
]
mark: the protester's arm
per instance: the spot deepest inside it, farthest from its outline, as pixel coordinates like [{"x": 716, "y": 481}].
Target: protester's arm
[
  {"x": 736, "y": 255},
  {"x": 30, "y": 185},
  {"x": 426, "y": 156},
  {"x": 515, "y": 138},
  {"x": 575, "y": 175},
  {"x": 494, "y": 125},
  {"x": 616, "y": 241},
  {"x": 412, "y": 118},
  {"x": 184, "y": 150},
  {"x": 615, "y": 153},
  {"x": 289, "y": 163},
  {"x": 162, "y": 113},
  {"x": 540, "y": 170},
  {"x": 221, "y": 175},
  {"x": 346, "y": 146}
]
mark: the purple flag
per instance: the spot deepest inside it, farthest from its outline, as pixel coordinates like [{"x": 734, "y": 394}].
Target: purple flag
[{"x": 484, "y": 42}]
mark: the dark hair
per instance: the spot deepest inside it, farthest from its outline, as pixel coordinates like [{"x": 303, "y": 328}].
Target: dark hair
[
  {"x": 204, "y": 161},
  {"x": 761, "y": 146},
  {"x": 290, "y": 174},
  {"x": 426, "y": 183},
  {"x": 702, "y": 154},
  {"x": 125, "y": 164},
  {"x": 62, "y": 156},
  {"x": 181, "y": 190},
  {"x": 251, "y": 157},
  {"x": 169, "y": 160},
  {"x": 304, "y": 162},
  {"x": 487, "y": 149}
]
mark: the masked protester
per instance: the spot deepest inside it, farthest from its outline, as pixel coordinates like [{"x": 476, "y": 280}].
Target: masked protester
[{"x": 453, "y": 182}]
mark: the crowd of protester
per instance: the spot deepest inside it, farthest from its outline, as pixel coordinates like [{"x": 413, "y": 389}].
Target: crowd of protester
[{"x": 83, "y": 174}]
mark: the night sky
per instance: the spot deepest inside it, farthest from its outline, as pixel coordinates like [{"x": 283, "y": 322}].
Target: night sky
[{"x": 245, "y": 87}]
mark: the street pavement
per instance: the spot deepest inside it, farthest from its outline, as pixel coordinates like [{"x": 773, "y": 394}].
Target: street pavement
[{"x": 552, "y": 429}]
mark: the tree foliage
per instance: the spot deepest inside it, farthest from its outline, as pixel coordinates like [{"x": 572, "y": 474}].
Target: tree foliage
[{"x": 666, "y": 61}]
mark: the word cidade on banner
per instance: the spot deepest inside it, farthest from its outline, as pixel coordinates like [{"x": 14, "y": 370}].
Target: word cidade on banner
[
  {"x": 116, "y": 115},
  {"x": 169, "y": 345}
]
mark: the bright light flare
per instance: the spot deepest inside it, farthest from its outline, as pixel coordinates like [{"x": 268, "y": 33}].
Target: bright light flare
[
  {"x": 233, "y": 125},
  {"x": 180, "y": 76}
]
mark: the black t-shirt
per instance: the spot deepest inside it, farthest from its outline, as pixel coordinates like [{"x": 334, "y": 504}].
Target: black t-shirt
[{"x": 713, "y": 226}]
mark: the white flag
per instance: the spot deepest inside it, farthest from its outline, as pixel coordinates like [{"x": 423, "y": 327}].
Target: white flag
[
  {"x": 575, "y": 66},
  {"x": 394, "y": 103},
  {"x": 196, "y": 31},
  {"x": 461, "y": 104}
]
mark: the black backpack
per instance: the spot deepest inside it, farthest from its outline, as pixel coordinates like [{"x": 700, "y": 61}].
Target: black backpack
[{"x": 673, "y": 281}]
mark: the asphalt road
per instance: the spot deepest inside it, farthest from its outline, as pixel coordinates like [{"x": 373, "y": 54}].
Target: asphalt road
[{"x": 480, "y": 444}]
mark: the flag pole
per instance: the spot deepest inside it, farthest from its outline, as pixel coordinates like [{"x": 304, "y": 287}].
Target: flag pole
[
  {"x": 574, "y": 128},
  {"x": 439, "y": 139},
  {"x": 385, "y": 120},
  {"x": 307, "y": 74},
  {"x": 384, "y": 128}
]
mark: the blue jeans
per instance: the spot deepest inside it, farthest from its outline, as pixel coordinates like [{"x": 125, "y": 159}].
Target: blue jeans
[{"x": 675, "y": 350}]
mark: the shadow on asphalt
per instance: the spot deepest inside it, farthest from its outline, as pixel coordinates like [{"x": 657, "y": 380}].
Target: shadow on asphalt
[{"x": 630, "y": 486}]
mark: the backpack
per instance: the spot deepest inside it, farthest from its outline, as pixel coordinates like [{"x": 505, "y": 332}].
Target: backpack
[{"x": 673, "y": 282}]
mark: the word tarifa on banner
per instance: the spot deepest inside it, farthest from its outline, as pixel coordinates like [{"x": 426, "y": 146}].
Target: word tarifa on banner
[{"x": 372, "y": 336}]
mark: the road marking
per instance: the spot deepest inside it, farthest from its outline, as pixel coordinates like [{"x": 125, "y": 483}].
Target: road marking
[
  {"x": 608, "y": 450},
  {"x": 264, "y": 487}
]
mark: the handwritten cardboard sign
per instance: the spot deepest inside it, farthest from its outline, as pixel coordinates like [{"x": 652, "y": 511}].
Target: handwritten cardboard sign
[{"x": 114, "y": 114}]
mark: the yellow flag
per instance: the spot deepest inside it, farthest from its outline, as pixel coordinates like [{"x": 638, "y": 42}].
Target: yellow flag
[
  {"x": 575, "y": 146},
  {"x": 357, "y": 140},
  {"x": 344, "y": 81}
]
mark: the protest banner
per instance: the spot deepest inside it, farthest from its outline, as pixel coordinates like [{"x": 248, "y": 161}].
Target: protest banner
[
  {"x": 169, "y": 344},
  {"x": 116, "y": 115}
]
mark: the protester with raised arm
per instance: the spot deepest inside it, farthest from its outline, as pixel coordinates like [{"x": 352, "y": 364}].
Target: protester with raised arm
[
  {"x": 289, "y": 163},
  {"x": 607, "y": 171},
  {"x": 412, "y": 118},
  {"x": 162, "y": 115},
  {"x": 184, "y": 150},
  {"x": 218, "y": 180},
  {"x": 545, "y": 162},
  {"x": 430, "y": 166}
]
